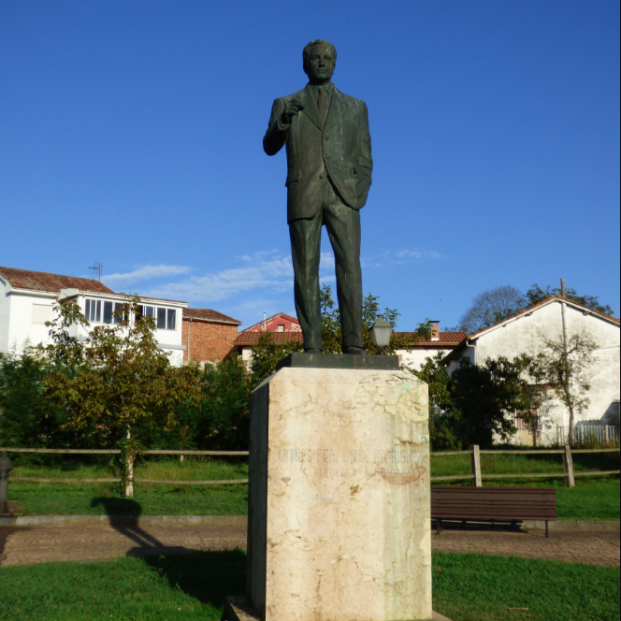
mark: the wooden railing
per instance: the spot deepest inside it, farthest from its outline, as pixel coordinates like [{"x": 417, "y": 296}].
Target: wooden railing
[
  {"x": 476, "y": 475},
  {"x": 568, "y": 474},
  {"x": 117, "y": 452}
]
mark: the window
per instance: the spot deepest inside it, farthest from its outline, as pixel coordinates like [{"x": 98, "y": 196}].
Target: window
[
  {"x": 92, "y": 311},
  {"x": 161, "y": 319},
  {"x": 107, "y": 314},
  {"x": 118, "y": 312},
  {"x": 520, "y": 423},
  {"x": 166, "y": 319},
  {"x": 281, "y": 327}
]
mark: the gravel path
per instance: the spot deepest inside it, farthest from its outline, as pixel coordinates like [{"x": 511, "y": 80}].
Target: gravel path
[{"x": 41, "y": 544}]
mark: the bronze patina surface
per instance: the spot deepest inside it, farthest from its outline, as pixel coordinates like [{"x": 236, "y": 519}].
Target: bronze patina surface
[{"x": 326, "y": 135}]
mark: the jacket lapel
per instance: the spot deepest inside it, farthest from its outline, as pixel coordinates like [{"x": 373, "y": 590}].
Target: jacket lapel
[{"x": 310, "y": 106}]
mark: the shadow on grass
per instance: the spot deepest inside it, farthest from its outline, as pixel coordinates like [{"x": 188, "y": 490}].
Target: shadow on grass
[
  {"x": 209, "y": 577},
  {"x": 124, "y": 516}
]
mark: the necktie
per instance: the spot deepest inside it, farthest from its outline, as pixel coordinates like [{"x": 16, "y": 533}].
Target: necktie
[{"x": 322, "y": 104}]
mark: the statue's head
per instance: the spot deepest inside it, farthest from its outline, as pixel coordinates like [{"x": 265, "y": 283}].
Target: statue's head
[{"x": 319, "y": 61}]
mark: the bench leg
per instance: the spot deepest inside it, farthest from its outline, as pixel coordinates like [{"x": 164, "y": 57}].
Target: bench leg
[
  {"x": 547, "y": 531},
  {"x": 439, "y": 526}
]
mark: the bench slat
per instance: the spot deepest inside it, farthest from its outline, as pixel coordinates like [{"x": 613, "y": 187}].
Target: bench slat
[{"x": 501, "y": 503}]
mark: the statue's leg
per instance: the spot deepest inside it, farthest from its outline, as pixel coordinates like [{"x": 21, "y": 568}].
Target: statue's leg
[
  {"x": 343, "y": 224},
  {"x": 305, "y": 235}
]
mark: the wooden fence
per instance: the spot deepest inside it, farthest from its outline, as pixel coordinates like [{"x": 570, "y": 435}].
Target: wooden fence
[{"x": 477, "y": 475}]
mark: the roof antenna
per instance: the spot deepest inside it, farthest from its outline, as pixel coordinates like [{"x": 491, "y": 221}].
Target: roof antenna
[{"x": 97, "y": 267}]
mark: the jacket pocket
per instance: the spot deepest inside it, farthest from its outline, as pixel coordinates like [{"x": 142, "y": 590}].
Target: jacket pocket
[{"x": 292, "y": 178}]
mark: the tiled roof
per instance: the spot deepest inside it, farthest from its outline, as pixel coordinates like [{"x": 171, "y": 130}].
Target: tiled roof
[
  {"x": 207, "y": 314},
  {"x": 447, "y": 339},
  {"x": 542, "y": 303},
  {"x": 258, "y": 327},
  {"x": 251, "y": 338},
  {"x": 41, "y": 281}
]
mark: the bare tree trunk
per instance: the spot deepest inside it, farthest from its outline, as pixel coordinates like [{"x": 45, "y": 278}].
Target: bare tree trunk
[
  {"x": 570, "y": 435},
  {"x": 129, "y": 483}
]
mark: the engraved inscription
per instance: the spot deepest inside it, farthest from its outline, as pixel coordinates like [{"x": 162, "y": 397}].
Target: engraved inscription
[{"x": 397, "y": 466}]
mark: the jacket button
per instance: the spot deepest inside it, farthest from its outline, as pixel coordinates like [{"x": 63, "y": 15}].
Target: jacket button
[
  {"x": 322, "y": 176},
  {"x": 326, "y": 137},
  {"x": 328, "y": 156}
]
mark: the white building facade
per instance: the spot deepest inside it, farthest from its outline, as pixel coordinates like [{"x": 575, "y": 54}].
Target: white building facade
[
  {"x": 526, "y": 332},
  {"x": 27, "y": 302}
]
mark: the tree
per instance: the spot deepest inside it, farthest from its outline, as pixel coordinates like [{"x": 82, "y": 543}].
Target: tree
[
  {"x": 490, "y": 307},
  {"x": 471, "y": 405},
  {"x": 26, "y": 417},
  {"x": 223, "y": 421},
  {"x": 537, "y": 294},
  {"x": 565, "y": 365},
  {"x": 117, "y": 379},
  {"x": 497, "y": 304}
]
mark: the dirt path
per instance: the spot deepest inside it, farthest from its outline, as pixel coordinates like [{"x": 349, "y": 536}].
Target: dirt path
[{"x": 41, "y": 544}]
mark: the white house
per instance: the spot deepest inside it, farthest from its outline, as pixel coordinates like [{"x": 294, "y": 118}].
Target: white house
[
  {"x": 27, "y": 301},
  {"x": 440, "y": 343},
  {"x": 525, "y": 332}
]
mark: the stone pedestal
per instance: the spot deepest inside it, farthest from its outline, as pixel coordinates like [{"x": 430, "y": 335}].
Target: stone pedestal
[{"x": 339, "y": 522}]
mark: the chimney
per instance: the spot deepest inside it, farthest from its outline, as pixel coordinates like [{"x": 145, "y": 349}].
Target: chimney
[{"x": 435, "y": 330}]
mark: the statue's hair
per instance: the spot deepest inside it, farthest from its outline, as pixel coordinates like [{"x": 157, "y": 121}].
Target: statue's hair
[{"x": 309, "y": 46}]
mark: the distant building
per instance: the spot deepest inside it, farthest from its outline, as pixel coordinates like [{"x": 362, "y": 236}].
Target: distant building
[
  {"x": 525, "y": 333},
  {"x": 440, "y": 343},
  {"x": 27, "y": 301},
  {"x": 284, "y": 328},
  {"x": 209, "y": 336}
]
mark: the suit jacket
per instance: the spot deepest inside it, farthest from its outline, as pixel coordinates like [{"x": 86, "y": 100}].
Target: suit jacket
[{"x": 341, "y": 149}]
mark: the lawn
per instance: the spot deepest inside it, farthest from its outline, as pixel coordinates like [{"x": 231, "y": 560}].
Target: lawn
[
  {"x": 466, "y": 587},
  {"x": 596, "y": 498}
]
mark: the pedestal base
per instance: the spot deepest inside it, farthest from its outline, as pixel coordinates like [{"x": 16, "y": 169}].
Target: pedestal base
[
  {"x": 339, "y": 497},
  {"x": 239, "y": 609}
]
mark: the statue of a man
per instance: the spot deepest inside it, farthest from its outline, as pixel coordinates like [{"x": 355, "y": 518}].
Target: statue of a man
[{"x": 329, "y": 175}]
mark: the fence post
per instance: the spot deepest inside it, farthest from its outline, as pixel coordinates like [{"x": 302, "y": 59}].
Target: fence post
[
  {"x": 568, "y": 462},
  {"x": 5, "y": 469},
  {"x": 476, "y": 465}
]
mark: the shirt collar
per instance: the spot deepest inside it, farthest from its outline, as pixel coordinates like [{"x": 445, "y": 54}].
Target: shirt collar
[{"x": 328, "y": 88}]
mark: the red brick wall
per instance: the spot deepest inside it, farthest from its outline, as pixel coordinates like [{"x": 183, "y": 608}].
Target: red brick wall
[{"x": 208, "y": 341}]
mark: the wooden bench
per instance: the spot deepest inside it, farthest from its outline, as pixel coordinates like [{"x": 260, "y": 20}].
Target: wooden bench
[{"x": 493, "y": 504}]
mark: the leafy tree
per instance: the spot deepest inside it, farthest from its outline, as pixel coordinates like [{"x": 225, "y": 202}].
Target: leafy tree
[
  {"x": 537, "y": 294},
  {"x": 470, "y": 405},
  {"x": 223, "y": 421},
  {"x": 117, "y": 381},
  {"x": 266, "y": 355},
  {"x": 24, "y": 411},
  {"x": 444, "y": 416},
  {"x": 565, "y": 367},
  {"x": 491, "y": 306}
]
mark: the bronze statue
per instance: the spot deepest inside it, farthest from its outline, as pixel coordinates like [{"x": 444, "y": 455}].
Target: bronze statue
[{"x": 329, "y": 175}]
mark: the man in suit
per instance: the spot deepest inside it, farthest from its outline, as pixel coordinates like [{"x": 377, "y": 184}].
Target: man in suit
[{"x": 329, "y": 174}]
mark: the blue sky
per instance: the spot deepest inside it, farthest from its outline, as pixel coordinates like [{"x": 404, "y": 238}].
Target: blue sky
[{"x": 130, "y": 135}]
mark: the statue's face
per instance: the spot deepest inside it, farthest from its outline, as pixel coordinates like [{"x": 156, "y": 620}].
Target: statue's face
[{"x": 320, "y": 64}]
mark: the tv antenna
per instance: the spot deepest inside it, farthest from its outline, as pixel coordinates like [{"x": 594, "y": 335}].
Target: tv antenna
[{"x": 97, "y": 267}]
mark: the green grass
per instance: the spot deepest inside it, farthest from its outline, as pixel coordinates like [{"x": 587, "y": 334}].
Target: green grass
[
  {"x": 191, "y": 586},
  {"x": 469, "y": 587},
  {"x": 593, "y": 498},
  {"x": 474, "y": 587}
]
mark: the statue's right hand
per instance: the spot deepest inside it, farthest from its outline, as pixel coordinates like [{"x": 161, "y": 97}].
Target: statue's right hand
[{"x": 294, "y": 106}]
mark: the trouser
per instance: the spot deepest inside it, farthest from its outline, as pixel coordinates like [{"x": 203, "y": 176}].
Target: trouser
[{"x": 343, "y": 225}]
